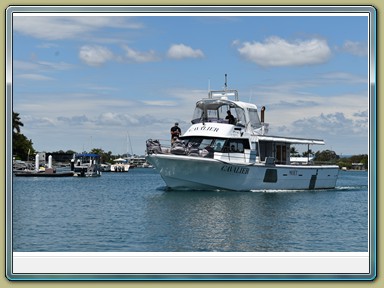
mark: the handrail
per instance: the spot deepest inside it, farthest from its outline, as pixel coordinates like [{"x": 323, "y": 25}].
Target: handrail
[{"x": 224, "y": 93}]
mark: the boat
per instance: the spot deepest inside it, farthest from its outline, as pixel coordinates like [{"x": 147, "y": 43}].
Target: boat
[
  {"x": 41, "y": 171},
  {"x": 46, "y": 173},
  {"x": 86, "y": 165},
  {"x": 214, "y": 154},
  {"x": 105, "y": 167},
  {"x": 19, "y": 165},
  {"x": 138, "y": 162},
  {"x": 120, "y": 165}
]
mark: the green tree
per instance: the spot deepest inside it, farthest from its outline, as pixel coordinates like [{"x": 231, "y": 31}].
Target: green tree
[
  {"x": 22, "y": 147},
  {"x": 307, "y": 153},
  {"x": 294, "y": 152},
  {"x": 326, "y": 156},
  {"x": 16, "y": 123},
  {"x": 347, "y": 162},
  {"x": 104, "y": 156}
]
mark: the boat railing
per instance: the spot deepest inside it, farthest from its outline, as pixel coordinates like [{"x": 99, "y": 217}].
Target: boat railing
[
  {"x": 224, "y": 93},
  {"x": 262, "y": 130}
]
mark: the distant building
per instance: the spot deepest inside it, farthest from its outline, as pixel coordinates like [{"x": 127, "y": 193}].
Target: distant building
[
  {"x": 42, "y": 158},
  {"x": 357, "y": 166},
  {"x": 58, "y": 157}
]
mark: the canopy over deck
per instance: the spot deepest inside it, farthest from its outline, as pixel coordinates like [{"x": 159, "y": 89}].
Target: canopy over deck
[{"x": 291, "y": 140}]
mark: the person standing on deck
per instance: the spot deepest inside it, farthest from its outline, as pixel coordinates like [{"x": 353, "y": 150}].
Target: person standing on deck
[{"x": 175, "y": 132}]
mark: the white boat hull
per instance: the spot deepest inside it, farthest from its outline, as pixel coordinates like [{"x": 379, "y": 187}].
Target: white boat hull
[
  {"x": 186, "y": 172},
  {"x": 120, "y": 168}
]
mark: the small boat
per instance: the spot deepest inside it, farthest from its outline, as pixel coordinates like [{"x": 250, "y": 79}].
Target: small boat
[
  {"x": 105, "y": 167},
  {"x": 120, "y": 165},
  {"x": 225, "y": 153},
  {"x": 46, "y": 173},
  {"x": 86, "y": 165},
  {"x": 138, "y": 162}
]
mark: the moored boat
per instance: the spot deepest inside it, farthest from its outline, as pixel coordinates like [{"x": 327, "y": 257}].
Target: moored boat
[
  {"x": 44, "y": 174},
  {"x": 120, "y": 165},
  {"x": 220, "y": 152},
  {"x": 86, "y": 165}
]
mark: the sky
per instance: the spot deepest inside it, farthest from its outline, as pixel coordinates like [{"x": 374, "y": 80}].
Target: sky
[{"x": 112, "y": 81}]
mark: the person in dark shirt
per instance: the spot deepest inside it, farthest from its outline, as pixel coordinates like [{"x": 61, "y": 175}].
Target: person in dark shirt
[
  {"x": 175, "y": 132},
  {"x": 230, "y": 118}
]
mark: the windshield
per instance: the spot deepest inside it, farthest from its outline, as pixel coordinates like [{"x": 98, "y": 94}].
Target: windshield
[
  {"x": 217, "y": 111},
  {"x": 254, "y": 118}
]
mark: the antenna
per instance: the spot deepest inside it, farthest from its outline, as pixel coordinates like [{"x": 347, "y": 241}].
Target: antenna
[{"x": 209, "y": 85}]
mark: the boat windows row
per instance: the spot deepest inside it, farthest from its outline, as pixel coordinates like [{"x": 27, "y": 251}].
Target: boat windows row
[
  {"x": 258, "y": 151},
  {"x": 217, "y": 144}
]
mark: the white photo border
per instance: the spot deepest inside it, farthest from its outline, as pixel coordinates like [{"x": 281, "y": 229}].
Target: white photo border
[{"x": 62, "y": 266}]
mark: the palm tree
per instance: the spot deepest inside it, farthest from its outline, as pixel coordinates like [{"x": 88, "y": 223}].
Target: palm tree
[
  {"x": 16, "y": 123},
  {"x": 294, "y": 152}
]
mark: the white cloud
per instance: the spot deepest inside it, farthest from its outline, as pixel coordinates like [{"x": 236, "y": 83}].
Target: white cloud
[
  {"x": 275, "y": 51},
  {"x": 49, "y": 28},
  {"x": 116, "y": 119},
  {"x": 40, "y": 66},
  {"x": 35, "y": 77},
  {"x": 95, "y": 55},
  {"x": 344, "y": 78},
  {"x": 355, "y": 48},
  {"x": 159, "y": 103},
  {"x": 38, "y": 122},
  {"x": 180, "y": 51},
  {"x": 67, "y": 27},
  {"x": 139, "y": 56},
  {"x": 334, "y": 123}
]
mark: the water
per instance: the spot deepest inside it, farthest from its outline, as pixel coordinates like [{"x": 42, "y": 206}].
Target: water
[{"x": 134, "y": 212}]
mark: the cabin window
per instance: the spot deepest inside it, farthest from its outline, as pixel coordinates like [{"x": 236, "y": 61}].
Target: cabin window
[
  {"x": 240, "y": 116},
  {"x": 281, "y": 153},
  {"x": 266, "y": 149},
  {"x": 234, "y": 111},
  {"x": 254, "y": 118},
  {"x": 202, "y": 142},
  {"x": 206, "y": 142},
  {"x": 199, "y": 142},
  {"x": 219, "y": 144},
  {"x": 255, "y": 147},
  {"x": 212, "y": 116},
  {"x": 236, "y": 146},
  {"x": 197, "y": 115},
  {"x": 270, "y": 176}
]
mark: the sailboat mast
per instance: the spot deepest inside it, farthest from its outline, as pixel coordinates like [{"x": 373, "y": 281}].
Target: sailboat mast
[{"x": 130, "y": 144}]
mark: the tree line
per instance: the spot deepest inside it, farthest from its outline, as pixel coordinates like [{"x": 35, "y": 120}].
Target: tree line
[
  {"x": 22, "y": 147},
  {"x": 330, "y": 157}
]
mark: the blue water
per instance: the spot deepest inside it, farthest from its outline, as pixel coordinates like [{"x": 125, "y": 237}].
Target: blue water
[{"x": 134, "y": 212}]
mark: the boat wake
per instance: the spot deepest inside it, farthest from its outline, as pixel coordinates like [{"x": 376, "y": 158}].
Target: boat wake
[{"x": 352, "y": 188}]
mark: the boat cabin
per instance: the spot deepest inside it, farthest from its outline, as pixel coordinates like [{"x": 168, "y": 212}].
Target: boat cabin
[{"x": 214, "y": 109}]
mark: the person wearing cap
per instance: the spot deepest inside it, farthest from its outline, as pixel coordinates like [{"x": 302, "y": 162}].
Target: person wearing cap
[{"x": 175, "y": 132}]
